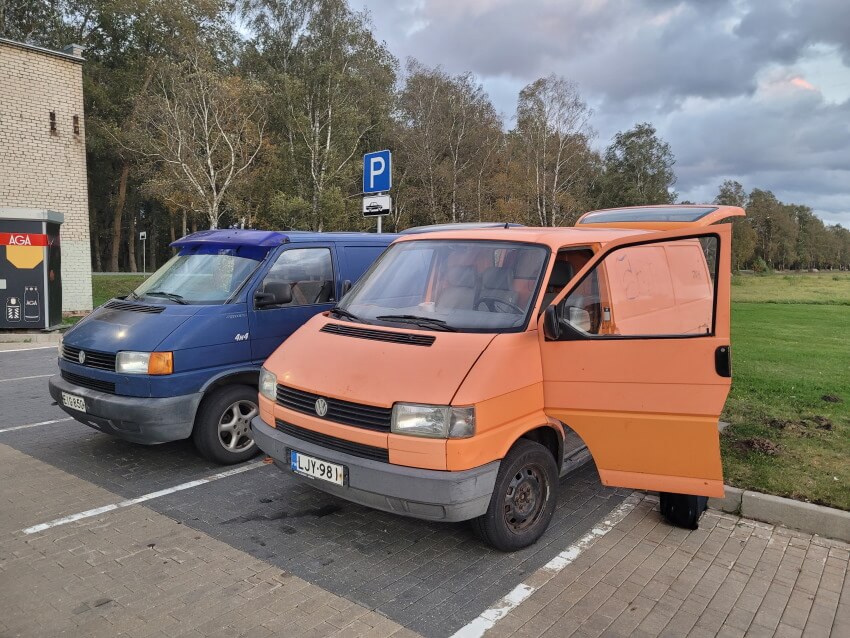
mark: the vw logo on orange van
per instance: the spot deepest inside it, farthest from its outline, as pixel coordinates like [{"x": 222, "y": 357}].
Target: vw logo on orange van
[
  {"x": 81, "y": 357},
  {"x": 321, "y": 407}
]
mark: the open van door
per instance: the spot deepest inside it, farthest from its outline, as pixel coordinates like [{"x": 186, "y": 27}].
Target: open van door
[
  {"x": 636, "y": 358},
  {"x": 659, "y": 217}
]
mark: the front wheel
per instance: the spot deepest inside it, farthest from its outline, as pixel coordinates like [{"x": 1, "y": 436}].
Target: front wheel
[
  {"x": 523, "y": 499},
  {"x": 222, "y": 430}
]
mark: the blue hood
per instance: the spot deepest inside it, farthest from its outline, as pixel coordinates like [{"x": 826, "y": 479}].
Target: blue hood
[{"x": 111, "y": 330}]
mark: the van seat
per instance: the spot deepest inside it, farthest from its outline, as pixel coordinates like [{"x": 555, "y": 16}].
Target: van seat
[
  {"x": 496, "y": 283},
  {"x": 562, "y": 272},
  {"x": 460, "y": 291}
]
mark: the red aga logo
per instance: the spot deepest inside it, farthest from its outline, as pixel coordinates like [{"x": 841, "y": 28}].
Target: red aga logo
[
  {"x": 23, "y": 239},
  {"x": 20, "y": 240}
]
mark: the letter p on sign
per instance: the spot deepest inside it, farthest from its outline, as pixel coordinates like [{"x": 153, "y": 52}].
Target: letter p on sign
[{"x": 377, "y": 172}]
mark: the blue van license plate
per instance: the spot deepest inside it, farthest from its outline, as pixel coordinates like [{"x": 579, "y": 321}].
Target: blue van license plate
[{"x": 316, "y": 468}]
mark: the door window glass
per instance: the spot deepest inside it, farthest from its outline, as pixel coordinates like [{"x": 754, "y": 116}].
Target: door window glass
[
  {"x": 658, "y": 289},
  {"x": 310, "y": 273}
]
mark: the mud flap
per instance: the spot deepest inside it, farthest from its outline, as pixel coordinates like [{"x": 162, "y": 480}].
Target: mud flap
[{"x": 683, "y": 510}]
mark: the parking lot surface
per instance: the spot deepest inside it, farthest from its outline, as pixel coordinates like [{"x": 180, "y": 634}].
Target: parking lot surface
[{"x": 104, "y": 537}]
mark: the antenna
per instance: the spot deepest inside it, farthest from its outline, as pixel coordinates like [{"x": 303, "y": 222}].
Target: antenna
[{"x": 506, "y": 225}]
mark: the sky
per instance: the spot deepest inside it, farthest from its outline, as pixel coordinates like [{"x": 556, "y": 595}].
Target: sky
[{"x": 752, "y": 90}]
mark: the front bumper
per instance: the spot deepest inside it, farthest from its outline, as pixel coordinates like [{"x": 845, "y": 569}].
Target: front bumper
[
  {"x": 428, "y": 494},
  {"x": 136, "y": 419}
]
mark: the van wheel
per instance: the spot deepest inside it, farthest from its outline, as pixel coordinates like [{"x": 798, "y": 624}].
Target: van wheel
[
  {"x": 222, "y": 430},
  {"x": 523, "y": 498}
]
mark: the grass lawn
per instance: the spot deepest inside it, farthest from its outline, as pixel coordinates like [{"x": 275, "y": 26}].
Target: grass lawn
[
  {"x": 105, "y": 287},
  {"x": 790, "y": 400}
]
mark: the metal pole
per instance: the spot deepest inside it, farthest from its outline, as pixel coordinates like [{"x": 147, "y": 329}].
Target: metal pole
[
  {"x": 380, "y": 217},
  {"x": 144, "y": 258}
]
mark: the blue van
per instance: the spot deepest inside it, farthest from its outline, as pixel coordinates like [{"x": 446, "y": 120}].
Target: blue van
[{"x": 180, "y": 356}]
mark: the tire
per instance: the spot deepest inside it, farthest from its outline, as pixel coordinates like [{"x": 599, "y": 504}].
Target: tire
[
  {"x": 224, "y": 416},
  {"x": 528, "y": 471}
]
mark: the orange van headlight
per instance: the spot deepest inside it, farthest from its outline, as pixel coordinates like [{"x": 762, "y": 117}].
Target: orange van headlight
[
  {"x": 433, "y": 421},
  {"x": 144, "y": 362}
]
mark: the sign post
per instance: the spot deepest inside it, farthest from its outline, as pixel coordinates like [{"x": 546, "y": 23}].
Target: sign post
[
  {"x": 377, "y": 182},
  {"x": 143, "y": 236}
]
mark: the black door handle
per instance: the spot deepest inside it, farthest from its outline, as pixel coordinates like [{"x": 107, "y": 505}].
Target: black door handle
[{"x": 723, "y": 361}]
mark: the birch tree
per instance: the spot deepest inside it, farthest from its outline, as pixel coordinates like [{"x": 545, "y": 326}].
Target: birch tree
[{"x": 205, "y": 127}]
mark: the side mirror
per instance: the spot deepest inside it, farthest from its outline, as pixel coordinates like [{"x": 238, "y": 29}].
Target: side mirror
[
  {"x": 551, "y": 324},
  {"x": 274, "y": 293},
  {"x": 346, "y": 286}
]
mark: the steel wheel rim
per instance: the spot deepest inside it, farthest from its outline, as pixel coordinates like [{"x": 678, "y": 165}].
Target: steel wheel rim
[
  {"x": 234, "y": 426},
  {"x": 525, "y": 498}
]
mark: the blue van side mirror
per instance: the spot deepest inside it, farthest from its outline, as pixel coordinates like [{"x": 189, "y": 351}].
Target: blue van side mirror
[{"x": 274, "y": 293}]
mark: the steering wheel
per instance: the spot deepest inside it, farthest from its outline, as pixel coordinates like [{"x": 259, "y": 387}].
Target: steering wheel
[{"x": 493, "y": 303}]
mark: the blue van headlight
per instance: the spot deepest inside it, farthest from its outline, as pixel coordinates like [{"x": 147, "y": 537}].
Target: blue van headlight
[
  {"x": 268, "y": 384},
  {"x": 433, "y": 421}
]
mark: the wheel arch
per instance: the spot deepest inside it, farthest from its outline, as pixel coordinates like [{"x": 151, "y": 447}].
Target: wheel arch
[{"x": 550, "y": 435}]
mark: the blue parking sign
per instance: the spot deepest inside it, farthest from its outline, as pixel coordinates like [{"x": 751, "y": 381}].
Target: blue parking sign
[{"x": 377, "y": 172}]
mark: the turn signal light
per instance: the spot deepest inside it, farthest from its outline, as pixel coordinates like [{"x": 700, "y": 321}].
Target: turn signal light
[{"x": 161, "y": 363}]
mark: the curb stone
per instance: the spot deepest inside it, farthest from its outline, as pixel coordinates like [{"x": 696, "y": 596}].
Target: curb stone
[
  {"x": 32, "y": 337},
  {"x": 805, "y": 517}
]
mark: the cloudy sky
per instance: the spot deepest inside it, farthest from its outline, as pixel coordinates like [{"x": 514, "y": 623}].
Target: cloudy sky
[{"x": 753, "y": 90}]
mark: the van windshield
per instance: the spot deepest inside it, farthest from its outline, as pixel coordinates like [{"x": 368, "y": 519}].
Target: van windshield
[
  {"x": 457, "y": 285},
  {"x": 209, "y": 278}
]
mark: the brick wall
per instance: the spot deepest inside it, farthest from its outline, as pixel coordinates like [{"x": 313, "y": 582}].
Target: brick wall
[{"x": 44, "y": 169}]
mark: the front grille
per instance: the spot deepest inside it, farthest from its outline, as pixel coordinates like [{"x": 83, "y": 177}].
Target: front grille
[
  {"x": 93, "y": 359},
  {"x": 333, "y": 443},
  {"x": 88, "y": 382},
  {"x": 116, "y": 304},
  {"x": 359, "y": 415},
  {"x": 379, "y": 335}
]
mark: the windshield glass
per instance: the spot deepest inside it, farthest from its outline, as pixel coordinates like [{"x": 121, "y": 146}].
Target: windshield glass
[
  {"x": 209, "y": 278},
  {"x": 466, "y": 285}
]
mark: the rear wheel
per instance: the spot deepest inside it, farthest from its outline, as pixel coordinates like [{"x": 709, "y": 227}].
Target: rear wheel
[
  {"x": 523, "y": 499},
  {"x": 223, "y": 425}
]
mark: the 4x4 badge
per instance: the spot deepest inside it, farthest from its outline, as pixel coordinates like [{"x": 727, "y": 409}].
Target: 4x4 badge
[
  {"x": 81, "y": 357},
  {"x": 321, "y": 407}
]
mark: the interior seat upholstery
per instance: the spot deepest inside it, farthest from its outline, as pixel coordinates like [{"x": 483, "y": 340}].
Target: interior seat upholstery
[
  {"x": 459, "y": 294},
  {"x": 562, "y": 272},
  {"x": 497, "y": 283}
]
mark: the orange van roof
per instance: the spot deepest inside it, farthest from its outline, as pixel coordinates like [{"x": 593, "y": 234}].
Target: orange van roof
[{"x": 555, "y": 238}]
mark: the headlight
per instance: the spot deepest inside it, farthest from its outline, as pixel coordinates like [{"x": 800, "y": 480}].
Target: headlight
[
  {"x": 268, "y": 384},
  {"x": 61, "y": 345},
  {"x": 433, "y": 421},
  {"x": 156, "y": 363}
]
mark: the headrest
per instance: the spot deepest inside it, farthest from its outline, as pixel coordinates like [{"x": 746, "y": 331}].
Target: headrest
[
  {"x": 562, "y": 272},
  {"x": 528, "y": 263},
  {"x": 496, "y": 278},
  {"x": 461, "y": 277}
]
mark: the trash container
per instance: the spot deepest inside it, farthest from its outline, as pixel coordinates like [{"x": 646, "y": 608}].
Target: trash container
[{"x": 30, "y": 268}]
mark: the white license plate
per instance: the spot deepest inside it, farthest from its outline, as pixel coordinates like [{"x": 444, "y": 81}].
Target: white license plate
[
  {"x": 316, "y": 468},
  {"x": 73, "y": 402}
]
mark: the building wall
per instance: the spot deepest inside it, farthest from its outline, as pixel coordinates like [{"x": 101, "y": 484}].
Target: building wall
[{"x": 44, "y": 169}]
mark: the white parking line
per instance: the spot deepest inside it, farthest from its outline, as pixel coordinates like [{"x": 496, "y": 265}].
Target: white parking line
[
  {"x": 140, "y": 499},
  {"x": 490, "y": 617},
  {"x": 53, "y": 347},
  {"x": 38, "y": 376},
  {"x": 32, "y": 425}
]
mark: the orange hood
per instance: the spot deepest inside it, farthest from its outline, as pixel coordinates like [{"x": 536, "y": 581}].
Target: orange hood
[{"x": 375, "y": 372}]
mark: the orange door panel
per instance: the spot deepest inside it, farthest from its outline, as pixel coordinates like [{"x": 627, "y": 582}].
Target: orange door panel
[{"x": 647, "y": 406}]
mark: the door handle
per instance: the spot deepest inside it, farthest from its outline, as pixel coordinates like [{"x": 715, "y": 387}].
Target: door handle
[{"x": 723, "y": 361}]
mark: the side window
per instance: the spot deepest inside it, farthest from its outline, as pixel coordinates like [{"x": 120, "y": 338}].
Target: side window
[
  {"x": 309, "y": 271},
  {"x": 656, "y": 289}
]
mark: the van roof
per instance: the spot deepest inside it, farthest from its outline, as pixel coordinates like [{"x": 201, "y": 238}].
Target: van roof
[
  {"x": 553, "y": 237},
  {"x": 270, "y": 238}
]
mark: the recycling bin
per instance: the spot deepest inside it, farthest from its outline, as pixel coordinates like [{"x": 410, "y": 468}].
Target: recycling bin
[{"x": 30, "y": 268}]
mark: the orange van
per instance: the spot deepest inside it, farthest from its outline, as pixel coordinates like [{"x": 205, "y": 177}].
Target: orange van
[{"x": 469, "y": 369}]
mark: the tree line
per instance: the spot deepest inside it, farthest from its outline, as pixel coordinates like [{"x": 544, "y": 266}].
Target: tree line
[{"x": 255, "y": 113}]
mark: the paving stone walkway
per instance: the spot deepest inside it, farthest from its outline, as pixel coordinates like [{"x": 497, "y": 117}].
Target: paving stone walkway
[{"x": 731, "y": 577}]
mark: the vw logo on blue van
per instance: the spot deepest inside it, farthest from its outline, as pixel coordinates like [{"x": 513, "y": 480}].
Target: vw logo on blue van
[
  {"x": 81, "y": 357},
  {"x": 321, "y": 407}
]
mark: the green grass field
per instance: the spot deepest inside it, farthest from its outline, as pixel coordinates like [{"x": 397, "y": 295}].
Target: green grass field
[
  {"x": 790, "y": 400},
  {"x": 791, "y": 347}
]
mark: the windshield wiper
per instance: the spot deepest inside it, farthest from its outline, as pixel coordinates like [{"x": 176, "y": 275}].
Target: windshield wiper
[
  {"x": 133, "y": 295},
  {"x": 168, "y": 295},
  {"x": 342, "y": 312},
  {"x": 425, "y": 322}
]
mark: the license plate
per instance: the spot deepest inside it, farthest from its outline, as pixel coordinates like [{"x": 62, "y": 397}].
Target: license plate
[
  {"x": 73, "y": 402},
  {"x": 316, "y": 468}
]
